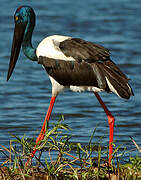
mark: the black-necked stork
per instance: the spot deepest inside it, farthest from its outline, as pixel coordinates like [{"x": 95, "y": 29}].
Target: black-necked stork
[{"x": 70, "y": 63}]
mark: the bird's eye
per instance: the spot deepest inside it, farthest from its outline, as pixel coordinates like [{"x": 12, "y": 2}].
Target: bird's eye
[{"x": 16, "y": 18}]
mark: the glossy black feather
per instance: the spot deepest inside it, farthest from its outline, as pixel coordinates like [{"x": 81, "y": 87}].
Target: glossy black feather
[
  {"x": 70, "y": 72},
  {"x": 83, "y": 50}
]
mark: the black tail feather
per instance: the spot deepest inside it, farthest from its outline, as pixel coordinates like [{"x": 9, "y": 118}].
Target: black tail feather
[{"x": 116, "y": 80}]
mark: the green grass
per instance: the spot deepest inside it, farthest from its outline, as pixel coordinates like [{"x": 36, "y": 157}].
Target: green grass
[{"x": 72, "y": 160}]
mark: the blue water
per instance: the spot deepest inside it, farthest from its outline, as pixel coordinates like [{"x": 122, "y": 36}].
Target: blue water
[{"x": 25, "y": 98}]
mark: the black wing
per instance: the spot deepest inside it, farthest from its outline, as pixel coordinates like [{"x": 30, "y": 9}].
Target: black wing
[
  {"x": 95, "y": 74},
  {"x": 83, "y": 50},
  {"x": 89, "y": 52}
]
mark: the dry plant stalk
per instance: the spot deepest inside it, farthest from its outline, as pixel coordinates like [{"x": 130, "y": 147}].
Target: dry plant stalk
[{"x": 135, "y": 144}]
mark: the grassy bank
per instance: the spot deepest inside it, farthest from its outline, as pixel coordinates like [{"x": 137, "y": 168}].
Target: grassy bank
[{"x": 71, "y": 160}]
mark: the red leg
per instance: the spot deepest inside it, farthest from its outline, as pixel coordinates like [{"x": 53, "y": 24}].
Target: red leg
[
  {"x": 111, "y": 120},
  {"x": 43, "y": 130}
]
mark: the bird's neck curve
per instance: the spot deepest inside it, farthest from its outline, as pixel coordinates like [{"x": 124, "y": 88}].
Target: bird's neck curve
[{"x": 28, "y": 49}]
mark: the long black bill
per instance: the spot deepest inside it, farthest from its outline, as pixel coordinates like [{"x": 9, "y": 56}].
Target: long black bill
[{"x": 16, "y": 46}]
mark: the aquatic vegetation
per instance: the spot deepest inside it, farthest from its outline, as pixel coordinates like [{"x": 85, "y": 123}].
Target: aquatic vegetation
[{"x": 71, "y": 160}]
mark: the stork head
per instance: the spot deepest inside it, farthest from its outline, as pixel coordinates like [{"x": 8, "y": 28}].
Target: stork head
[{"x": 23, "y": 17}]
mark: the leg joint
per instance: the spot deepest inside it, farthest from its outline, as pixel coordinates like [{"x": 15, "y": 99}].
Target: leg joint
[{"x": 111, "y": 119}]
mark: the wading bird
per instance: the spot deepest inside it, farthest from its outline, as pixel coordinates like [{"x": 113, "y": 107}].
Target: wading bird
[{"x": 70, "y": 63}]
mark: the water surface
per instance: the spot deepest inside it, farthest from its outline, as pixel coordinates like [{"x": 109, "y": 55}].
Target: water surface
[{"x": 25, "y": 98}]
